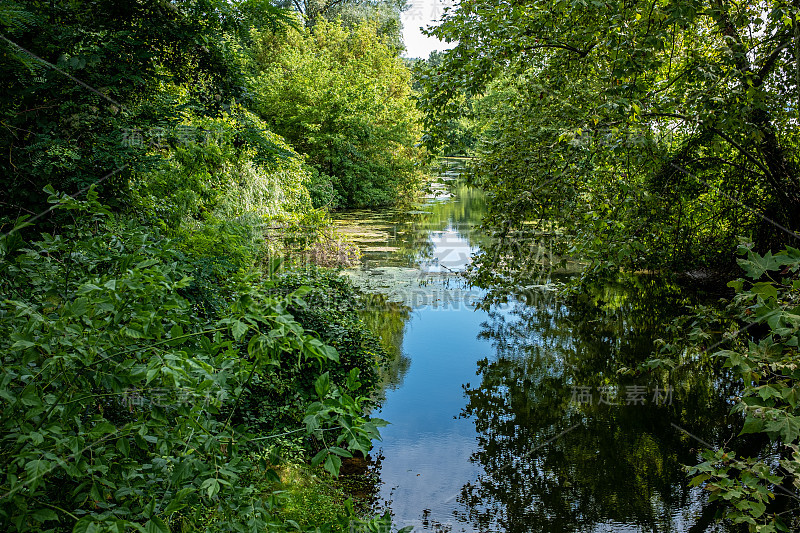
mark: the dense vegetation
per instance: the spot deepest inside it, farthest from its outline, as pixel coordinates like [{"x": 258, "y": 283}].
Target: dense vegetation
[
  {"x": 127, "y": 403},
  {"x": 660, "y": 136},
  {"x": 165, "y": 365},
  {"x": 342, "y": 98},
  {"x": 760, "y": 330},
  {"x": 164, "y": 159},
  {"x": 648, "y": 134},
  {"x": 179, "y": 99}
]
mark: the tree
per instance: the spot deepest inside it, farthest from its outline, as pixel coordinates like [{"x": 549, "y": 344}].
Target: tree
[
  {"x": 342, "y": 97},
  {"x": 456, "y": 133},
  {"x": 89, "y": 87},
  {"x": 641, "y": 134},
  {"x": 386, "y": 12}
]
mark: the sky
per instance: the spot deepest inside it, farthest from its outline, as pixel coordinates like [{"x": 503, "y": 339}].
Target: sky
[{"x": 423, "y": 13}]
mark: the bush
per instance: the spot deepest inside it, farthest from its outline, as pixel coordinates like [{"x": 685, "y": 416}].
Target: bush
[{"x": 120, "y": 400}]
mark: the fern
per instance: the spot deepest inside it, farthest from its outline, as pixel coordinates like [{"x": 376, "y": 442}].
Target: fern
[{"x": 13, "y": 18}]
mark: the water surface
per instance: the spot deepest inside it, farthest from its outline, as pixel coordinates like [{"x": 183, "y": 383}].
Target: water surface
[{"x": 515, "y": 419}]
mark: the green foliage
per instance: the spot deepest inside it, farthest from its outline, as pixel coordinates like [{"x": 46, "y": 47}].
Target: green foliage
[
  {"x": 314, "y": 394},
  {"x": 761, "y": 328},
  {"x": 120, "y": 403},
  {"x": 309, "y": 501},
  {"x": 635, "y": 135},
  {"x": 342, "y": 97},
  {"x": 81, "y": 78},
  {"x": 220, "y": 182},
  {"x": 148, "y": 375},
  {"x": 385, "y": 14},
  {"x": 454, "y": 132},
  {"x": 225, "y": 167},
  {"x": 339, "y": 399}
]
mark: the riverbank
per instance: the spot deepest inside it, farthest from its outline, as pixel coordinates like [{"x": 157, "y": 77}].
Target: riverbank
[{"x": 187, "y": 401}]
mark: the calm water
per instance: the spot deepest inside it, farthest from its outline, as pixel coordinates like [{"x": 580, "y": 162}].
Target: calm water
[{"x": 515, "y": 419}]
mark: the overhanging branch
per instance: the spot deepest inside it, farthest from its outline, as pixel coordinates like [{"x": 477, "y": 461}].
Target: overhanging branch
[{"x": 719, "y": 132}]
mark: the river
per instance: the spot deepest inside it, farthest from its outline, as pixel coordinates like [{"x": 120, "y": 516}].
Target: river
[{"x": 515, "y": 418}]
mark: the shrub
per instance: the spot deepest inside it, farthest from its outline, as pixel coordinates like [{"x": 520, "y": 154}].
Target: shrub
[{"x": 120, "y": 400}]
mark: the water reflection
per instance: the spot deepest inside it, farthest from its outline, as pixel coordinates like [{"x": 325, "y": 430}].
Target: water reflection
[
  {"x": 408, "y": 238},
  {"x": 505, "y": 420},
  {"x": 449, "y": 252},
  {"x": 388, "y": 320},
  {"x": 411, "y": 255},
  {"x": 567, "y": 444}
]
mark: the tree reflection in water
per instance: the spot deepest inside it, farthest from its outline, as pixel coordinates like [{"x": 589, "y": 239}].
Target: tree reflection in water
[
  {"x": 387, "y": 320},
  {"x": 615, "y": 467}
]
